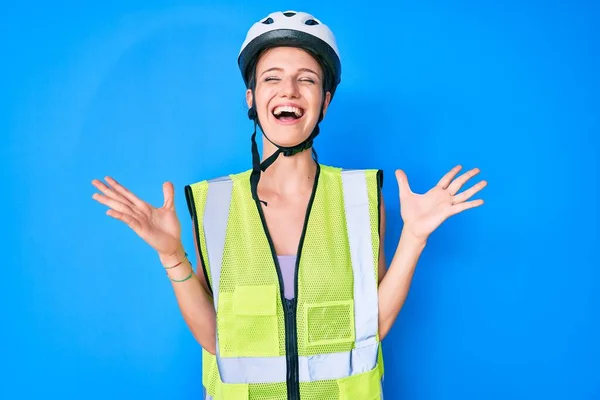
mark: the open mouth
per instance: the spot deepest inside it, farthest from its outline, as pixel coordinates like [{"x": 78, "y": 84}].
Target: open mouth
[{"x": 288, "y": 113}]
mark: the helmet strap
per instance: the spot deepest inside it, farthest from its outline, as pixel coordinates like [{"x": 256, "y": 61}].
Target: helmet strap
[
  {"x": 258, "y": 167},
  {"x": 255, "y": 175}
]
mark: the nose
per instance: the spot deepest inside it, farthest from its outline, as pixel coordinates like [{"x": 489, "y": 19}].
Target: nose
[{"x": 289, "y": 88}]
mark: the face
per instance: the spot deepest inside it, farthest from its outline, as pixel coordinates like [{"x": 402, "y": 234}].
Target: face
[{"x": 288, "y": 94}]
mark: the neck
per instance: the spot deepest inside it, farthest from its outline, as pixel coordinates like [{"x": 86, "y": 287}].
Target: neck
[{"x": 289, "y": 175}]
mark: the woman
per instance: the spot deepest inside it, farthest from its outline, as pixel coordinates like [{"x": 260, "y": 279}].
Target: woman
[{"x": 292, "y": 296}]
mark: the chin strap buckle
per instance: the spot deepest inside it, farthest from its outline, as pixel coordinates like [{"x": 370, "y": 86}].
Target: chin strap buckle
[{"x": 290, "y": 151}]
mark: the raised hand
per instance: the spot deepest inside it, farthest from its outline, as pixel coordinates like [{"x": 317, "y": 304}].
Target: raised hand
[
  {"x": 159, "y": 227},
  {"x": 423, "y": 213}
]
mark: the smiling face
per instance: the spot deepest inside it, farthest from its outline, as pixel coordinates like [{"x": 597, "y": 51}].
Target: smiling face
[{"x": 288, "y": 94}]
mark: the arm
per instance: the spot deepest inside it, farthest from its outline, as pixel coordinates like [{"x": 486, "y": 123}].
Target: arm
[
  {"x": 160, "y": 228},
  {"x": 421, "y": 214},
  {"x": 194, "y": 298},
  {"x": 395, "y": 282}
]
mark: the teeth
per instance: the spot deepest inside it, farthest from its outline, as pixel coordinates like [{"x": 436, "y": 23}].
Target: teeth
[{"x": 295, "y": 110}]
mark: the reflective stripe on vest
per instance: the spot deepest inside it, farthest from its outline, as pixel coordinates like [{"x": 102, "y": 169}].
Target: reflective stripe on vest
[
  {"x": 216, "y": 213},
  {"x": 363, "y": 357}
]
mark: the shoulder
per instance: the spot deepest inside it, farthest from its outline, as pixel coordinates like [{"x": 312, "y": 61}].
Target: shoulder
[
  {"x": 236, "y": 176},
  {"x": 374, "y": 176},
  {"x": 196, "y": 192},
  {"x": 359, "y": 182}
]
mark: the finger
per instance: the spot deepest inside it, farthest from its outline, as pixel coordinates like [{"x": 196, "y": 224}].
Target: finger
[
  {"x": 169, "y": 195},
  {"x": 446, "y": 179},
  {"x": 467, "y": 194},
  {"x": 114, "y": 204},
  {"x": 110, "y": 192},
  {"x": 132, "y": 222},
  {"x": 403, "y": 185},
  {"x": 125, "y": 192},
  {"x": 458, "y": 208},
  {"x": 461, "y": 180}
]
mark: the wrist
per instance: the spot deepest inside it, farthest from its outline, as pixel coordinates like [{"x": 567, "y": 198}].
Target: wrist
[
  {"x": 181, "y": 273},
  {"x": 408, "y": 237},
  {"x": 176, "y": 265},
  {"x": 172, "y": 259}
]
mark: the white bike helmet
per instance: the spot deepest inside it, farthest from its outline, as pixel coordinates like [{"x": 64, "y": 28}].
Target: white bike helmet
[
  {"x": 291, "y": 28},
  {"x": 294, "y": 29}
]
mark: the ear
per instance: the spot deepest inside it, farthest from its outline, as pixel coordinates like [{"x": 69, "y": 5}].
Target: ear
[
  {"x": 249, "y": 98},
  {"x": 326, "y": 103}
]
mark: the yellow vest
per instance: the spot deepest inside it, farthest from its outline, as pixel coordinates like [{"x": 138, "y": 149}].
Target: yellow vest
[{"x": 323, "y": 344}]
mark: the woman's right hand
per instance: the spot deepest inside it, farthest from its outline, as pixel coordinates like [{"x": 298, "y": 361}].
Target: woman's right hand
[{"x": 159, "y": 227}]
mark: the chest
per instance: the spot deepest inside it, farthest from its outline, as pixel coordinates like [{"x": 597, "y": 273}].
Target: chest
[{"x": 285, "y": 221}]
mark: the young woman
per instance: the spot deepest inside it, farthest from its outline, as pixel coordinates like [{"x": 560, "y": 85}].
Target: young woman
[{"x": 292, "y": 296}]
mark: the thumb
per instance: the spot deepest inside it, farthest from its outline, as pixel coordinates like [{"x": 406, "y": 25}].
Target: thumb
[
  {"x": 169, "y": 195},
  {"x": 403, "y": 185}
]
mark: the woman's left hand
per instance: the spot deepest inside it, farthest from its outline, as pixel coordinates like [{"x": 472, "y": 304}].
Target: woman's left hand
[{"x": 423, "y": 213}]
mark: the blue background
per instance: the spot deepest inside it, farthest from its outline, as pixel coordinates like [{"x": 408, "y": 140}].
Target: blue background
[{"x": 505, "y": 300}]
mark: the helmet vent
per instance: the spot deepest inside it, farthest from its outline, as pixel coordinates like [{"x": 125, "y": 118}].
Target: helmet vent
[
  {"x": 311, "y": 22},
  {"x": 268, "y": 21},
  {"x": 289, "y": 14}
]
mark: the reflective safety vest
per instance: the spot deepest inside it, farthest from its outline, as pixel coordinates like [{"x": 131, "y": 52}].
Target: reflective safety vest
[{"x": 323, "y": 344}]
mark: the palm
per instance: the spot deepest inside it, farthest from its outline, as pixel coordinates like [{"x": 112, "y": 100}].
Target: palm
[
  {"x": 159, "y": 227},
  {"x": 423, "y": 213},
  {"x": 161, "y": 230}
]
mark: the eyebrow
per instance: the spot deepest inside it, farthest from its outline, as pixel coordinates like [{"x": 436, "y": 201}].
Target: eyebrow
[{"x": 281, "y": 69}]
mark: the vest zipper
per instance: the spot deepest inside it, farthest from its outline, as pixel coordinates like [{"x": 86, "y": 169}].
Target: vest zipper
[
  {"x": 291, "y": 350},
  {"x": 290, "y": 306},
  {"x": 289, "y": 309}
]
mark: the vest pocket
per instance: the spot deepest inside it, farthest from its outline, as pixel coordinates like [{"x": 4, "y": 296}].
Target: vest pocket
[
  {"x": 247, "y": 322},
  {"x": 254, "y": 300},
  {"x": 365, "y": 386},
  {"x": 329, "y": 322}
]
